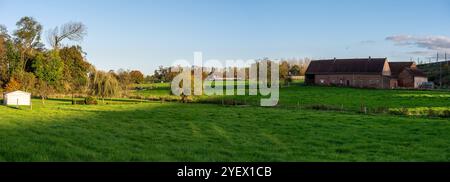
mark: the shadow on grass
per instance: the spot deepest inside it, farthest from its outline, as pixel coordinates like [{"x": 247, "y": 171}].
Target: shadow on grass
[
  {"x": 100, "y": 100},
  {"x": 15, "y": 107},
  {"x": 12, "y": 107}
]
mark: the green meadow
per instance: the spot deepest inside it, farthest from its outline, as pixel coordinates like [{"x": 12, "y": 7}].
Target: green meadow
[
  {"x": 298, "y": 96},
  {"x": 60, "y": 131},
  {"x": 143, "y": 130}
]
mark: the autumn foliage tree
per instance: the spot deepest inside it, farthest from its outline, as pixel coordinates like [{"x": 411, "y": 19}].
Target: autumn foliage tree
[
  {"x": 25, "y": 64},
  {"x": 12, "y": 85},
  {"x": 125, "y": 80},
  {"x": 137, "y": 76},
  {"x": 284, "y": 72},
  {"x": 75, "y": 70}
]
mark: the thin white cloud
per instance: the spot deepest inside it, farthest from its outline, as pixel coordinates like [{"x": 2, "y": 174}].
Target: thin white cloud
[
  {"x": 435, "y": 43},
  {"x": 421, "y": 53},
  {"x": 367, "y": 42}
]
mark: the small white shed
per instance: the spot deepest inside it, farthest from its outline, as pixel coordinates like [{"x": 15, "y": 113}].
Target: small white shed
[{"x": 17, "y": 98}]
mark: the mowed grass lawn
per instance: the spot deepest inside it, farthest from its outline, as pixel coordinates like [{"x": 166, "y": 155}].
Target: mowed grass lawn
[
  {"x": 59, "y": 131},
  {"x": 348, "y": 99}
]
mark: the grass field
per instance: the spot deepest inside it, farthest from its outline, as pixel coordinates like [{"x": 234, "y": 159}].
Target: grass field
[
  {"x": 132, "y": 131},
  {"x": 142, "y": 130},
  {"x": 334, "y": 98}
]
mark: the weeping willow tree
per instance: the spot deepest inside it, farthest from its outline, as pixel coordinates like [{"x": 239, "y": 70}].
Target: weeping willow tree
[{"x": 103, "y": 85}]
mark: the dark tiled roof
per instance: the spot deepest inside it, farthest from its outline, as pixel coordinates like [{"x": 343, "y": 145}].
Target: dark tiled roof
[
  {"x": 397, "y": 67},
  {"x": 361, "y": 66},
  {"x": 415, "y": 72}
]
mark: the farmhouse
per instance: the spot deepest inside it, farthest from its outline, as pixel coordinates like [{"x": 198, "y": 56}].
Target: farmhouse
[
  {"x": 412, "y": 78},
  {"x": 407, "y": 75},
  {"x": 17, "y": 98},
  {"x": 364, "y": 72}
]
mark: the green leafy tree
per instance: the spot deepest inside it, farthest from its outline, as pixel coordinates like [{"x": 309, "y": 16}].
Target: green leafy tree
[
  {"x": 27, "y": 38},
  {"x": 295, "y": 70},
  {"x": 3, "y": 60},
  {"x": 48, "y": 68},
  {"x": 12, "y": 59},
  {"x": 9, "y": 57},
  {"x": 43, "y": 89},
  {"x": 149, "y": 79}
]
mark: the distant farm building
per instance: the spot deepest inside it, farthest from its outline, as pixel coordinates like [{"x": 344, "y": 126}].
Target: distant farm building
[
  {"x": 297, "y": 77},
  {"x": 407, "y": 74},
  {"x": 366, "y": 73},
  {"x": 219, "y": 78},
  {"x": 17, "y": 98}
]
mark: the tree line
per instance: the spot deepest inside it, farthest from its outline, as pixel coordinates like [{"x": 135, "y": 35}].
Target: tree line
[
  {"x": 26, "y": 64},
  {"x": 287, "y": 69}
]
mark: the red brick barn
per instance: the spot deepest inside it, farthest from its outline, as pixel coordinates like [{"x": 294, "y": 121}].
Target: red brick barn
[
  {"x": 366, "y": 72},
  {"x": 396, "y": 68},
  {"x": 412, "y": 78}
]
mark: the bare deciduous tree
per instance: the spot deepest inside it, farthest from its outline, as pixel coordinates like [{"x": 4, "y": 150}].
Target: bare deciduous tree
[{"x": 74, "y": 31}]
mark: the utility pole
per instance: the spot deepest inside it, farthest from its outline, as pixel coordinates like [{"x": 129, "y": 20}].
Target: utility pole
[
  {"x": 445, "y": 59},
  {"x": 448, "y": 69},
  {"x": 440, "y": 70}
]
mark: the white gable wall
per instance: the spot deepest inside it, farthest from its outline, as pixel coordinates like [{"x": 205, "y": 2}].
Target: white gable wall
[
  {"x": 418, "y": 81},
  {"x": 17, "y": 98}
]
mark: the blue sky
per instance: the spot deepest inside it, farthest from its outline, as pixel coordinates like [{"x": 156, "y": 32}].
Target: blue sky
[{"x": 145, "y": 34}]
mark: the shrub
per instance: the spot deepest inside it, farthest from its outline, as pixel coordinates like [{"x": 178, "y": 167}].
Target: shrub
[
  {"x": 79, "y": 102},
  {"x": 422, "y": 111},
  {"x": 395, "y": 111},
  {"x": 432, "y": 112},
  {"x": 90, "y": 101},
  {"x": 446, "y": 114}
]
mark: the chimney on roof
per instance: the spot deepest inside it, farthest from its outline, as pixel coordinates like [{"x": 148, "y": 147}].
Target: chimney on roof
[
  {"x": 334, "y": 58},
  {"x": 370, "y": 58}
]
